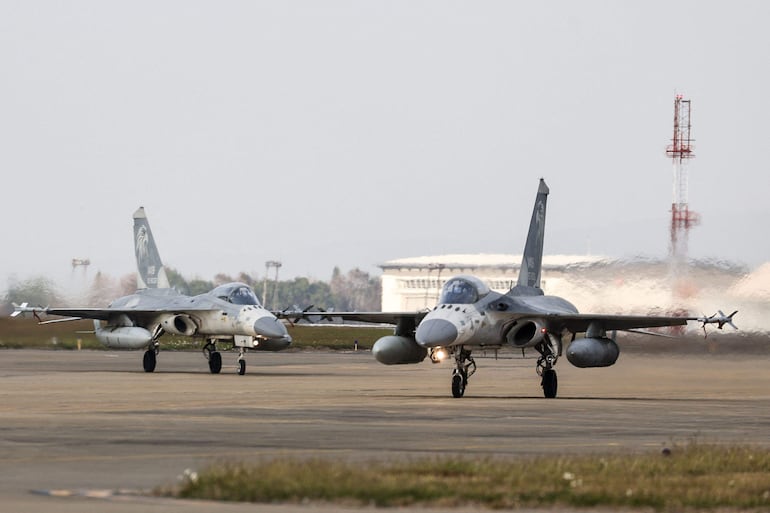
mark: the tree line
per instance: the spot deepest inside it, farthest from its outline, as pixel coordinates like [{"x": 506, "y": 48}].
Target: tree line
[{"x": 355, "y": 290}]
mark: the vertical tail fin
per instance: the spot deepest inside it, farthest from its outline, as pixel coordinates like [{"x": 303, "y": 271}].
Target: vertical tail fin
[
  {"x": 152, "y": 275},
  {"x": 532, "y": 260}
]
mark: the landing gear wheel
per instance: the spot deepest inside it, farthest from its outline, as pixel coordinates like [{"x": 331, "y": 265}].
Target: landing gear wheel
[
  {"x": 550, "y": 350},
  {"x": 549, "y": 383},
  {"x": 458, "y": 384},
  {"x": 215, "y": 362},
  {"x": 241, "y": 367},
  {"x": 465, "y": 366},
  {"x": 149, "y": 361}
]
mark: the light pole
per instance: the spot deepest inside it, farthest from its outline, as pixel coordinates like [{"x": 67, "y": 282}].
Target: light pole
[{"x": 277, "y": 265}]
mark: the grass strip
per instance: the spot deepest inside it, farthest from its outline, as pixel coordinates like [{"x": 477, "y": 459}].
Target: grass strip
[{"x": 698, "y": 476}]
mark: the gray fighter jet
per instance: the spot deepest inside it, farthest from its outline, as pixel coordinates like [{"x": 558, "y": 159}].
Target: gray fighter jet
[
  {"x": 230, "y": 313},
  {"x": 470, "y": 316}
]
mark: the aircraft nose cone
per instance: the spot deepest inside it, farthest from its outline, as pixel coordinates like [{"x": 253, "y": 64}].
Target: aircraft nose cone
[
  {"x": 270, "y": 327},
  {"x": 436, "y": 332}
]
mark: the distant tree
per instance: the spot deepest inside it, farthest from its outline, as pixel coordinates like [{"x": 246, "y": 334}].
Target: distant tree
[
  {"x": 104, "y": 289},
  {"x": 221, "y": 279},
  {"x": 251, "y": 281},
  {"x": 339, "y": 290},
  {"x": 38, "y": 291},
  {"x": 301, "y": 293},
  {"x": 356, "y": 291},
  {"x": 199, "y": 286},
  {"x": 128, "y": 284},
  {"x": 177, "y": 281}
]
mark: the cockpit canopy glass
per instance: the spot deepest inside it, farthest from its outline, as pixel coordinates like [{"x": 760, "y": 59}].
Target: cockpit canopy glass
[
  {"x": 463, "y": 290},
  {"x": 236, "y": 293}
]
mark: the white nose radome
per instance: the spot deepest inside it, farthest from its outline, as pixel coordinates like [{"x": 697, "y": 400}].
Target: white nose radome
[
  {"x": 435, "y": 333},
  {"x": 269, "y": 327}
]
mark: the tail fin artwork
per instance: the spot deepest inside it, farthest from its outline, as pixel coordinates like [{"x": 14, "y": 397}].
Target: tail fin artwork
[
  {"x": 152, "y": 275},
  {"x": 532, "y": 260}
]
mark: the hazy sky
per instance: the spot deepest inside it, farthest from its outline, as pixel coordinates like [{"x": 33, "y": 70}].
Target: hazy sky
[{"x": 351, "y": 133}]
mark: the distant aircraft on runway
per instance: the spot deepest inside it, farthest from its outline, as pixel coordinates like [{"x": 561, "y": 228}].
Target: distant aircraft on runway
[
  {"x": 230, "y": 313},
  {"x": 470, "y": 316}
]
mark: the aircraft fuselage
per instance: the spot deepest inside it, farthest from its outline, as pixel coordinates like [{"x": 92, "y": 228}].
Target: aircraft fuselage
[
  {"x": 489, "y": 321},
  {"x": 205, "y": 315}
]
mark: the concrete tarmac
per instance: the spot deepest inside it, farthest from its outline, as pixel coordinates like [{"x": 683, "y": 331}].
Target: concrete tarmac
[{"x": 93, "y": 420}]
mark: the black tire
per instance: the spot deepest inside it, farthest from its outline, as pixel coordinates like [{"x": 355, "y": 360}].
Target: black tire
[
  {"x": 215, "y": 362},
  {"x": 149, "y": 361},
  {"x": 458, "y": 385},
  {"x": 550, "y": 384},
  {"x": 241, "y": 367}
]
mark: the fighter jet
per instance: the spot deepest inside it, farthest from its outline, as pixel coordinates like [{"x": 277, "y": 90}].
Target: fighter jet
[
  {"x": 229, "y": 314},
  {"x": 469, "y": 316}
]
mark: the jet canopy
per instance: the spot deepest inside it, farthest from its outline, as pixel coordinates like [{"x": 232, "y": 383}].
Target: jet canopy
[
  {"x": 236, "y": 293},
  {"x": 463, "y": 290}
]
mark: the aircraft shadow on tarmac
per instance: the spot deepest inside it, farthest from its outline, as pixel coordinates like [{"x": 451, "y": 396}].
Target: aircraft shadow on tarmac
[
  {"x": 587, "y": 399},
  {"x": 225, "y": 371}
]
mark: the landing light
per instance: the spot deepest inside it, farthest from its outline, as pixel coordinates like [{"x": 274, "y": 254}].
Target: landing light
[{"x": 438, "y": 355}]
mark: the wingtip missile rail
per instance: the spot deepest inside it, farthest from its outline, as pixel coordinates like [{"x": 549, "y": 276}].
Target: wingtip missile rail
[{"x": 719, "y": 318}]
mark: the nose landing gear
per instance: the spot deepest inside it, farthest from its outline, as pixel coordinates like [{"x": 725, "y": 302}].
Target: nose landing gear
[
  {"x": 241, "y": 361},
  {"x": 465, "y": 367}
]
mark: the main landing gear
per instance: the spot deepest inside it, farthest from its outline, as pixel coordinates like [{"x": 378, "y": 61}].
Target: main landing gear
[
  {"x": 150, "y": 359},
  {"x": 549, "y": 349},
  {"x": 465, "y": 366},
  {"x": 213, "y": 356},
  {"x": 549, "y": 353},
  {"x": 210, "y": 352}
]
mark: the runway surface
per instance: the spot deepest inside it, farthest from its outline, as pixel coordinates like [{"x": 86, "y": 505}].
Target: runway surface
[{"x": 93, "y": 420}]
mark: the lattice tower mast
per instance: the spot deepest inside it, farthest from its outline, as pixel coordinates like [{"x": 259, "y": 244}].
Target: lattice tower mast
[{"x": 680, "y": 151}]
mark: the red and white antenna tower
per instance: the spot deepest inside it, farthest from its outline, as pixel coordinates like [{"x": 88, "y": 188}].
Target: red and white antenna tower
[{"x": 680, "y": 151}]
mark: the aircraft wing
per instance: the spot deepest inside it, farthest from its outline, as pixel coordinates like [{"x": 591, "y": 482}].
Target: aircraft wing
[
  {"x": 368, "y": 317},
  {"x": 576, "y": 323},
  {"x": 102, "y": 314},
  {"x": 579, "y": 323}
]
